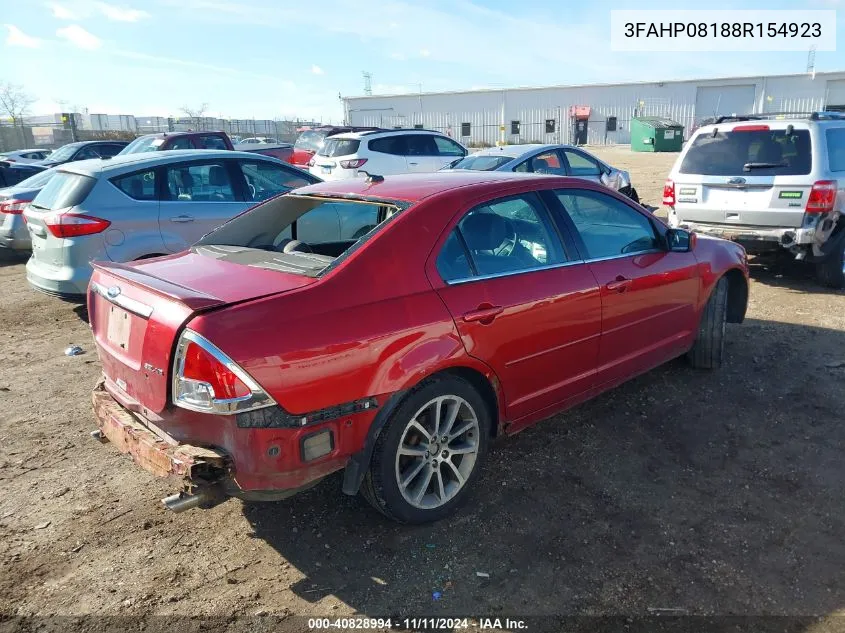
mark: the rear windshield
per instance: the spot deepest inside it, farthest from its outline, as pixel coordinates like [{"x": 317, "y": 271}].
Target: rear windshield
[
  {"x": 749, "y": 152},
  {"x": 482, "y": 163},
  {"x": 64, "y": 190},
  {"x": 143, "y": 144},
  {"x": 339, "y": 147},
  {"x": 302, "y": 235},
  {"x": 310, "y": 140}
]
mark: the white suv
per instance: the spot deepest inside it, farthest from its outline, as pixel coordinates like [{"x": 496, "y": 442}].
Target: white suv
[
  {"x": 384, "y": 152},
  {"x": 772, "y": 182}
]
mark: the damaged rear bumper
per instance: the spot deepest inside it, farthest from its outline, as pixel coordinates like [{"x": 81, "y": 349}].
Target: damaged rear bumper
[{"x": 153, "y": 450}]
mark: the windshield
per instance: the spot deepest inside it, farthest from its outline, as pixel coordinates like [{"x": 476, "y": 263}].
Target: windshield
[
  {"x": 310, "y": 140},
  {"x": 303, "y": 235},
  {"x": 756, "y": 151},
  {"x": 64, "y": 152},
  {"x": 63, "y": 190},
  {"x": 339, "y": 147},
  {"x": 37, "y": 181},
  {"x": 143, "y": 144},
  {"x": 482, "y": 163}
]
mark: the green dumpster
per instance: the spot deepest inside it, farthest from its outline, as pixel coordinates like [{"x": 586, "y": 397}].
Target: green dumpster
[{"x": 656, "y": 134}]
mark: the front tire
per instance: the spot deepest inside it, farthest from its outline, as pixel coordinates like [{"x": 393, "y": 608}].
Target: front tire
[
  {"x": 430, "y": 452},
  {"x": 708, "y": 352},
  {"x": 831, "y": 272}
]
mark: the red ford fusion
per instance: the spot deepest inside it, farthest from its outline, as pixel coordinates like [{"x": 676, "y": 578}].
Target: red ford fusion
[{"x": 391, "y": 328}]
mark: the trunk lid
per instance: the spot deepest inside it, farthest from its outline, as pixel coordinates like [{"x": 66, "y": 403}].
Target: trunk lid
[
  {"x": 137, "y": 312},
  {"x": 750, "y": 175}
]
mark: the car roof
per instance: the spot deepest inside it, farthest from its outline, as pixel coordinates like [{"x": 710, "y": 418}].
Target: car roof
[
  {"x": 516, "y": 151},
  {"x": 357, "y": 136},
  {"x": 130, "y": 162},
  {"x": 416, "y": 187}
]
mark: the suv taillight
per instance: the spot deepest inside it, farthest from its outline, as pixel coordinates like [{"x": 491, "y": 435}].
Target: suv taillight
[
  {"x": 822, "y": 197},
  {"x": 669, "y": 193},
  {"x": 206, "y": 380},
  {"x": 354, "y": 163},
  {"x": 68, "y": 225},
  {"x": 13, "y": 206}
]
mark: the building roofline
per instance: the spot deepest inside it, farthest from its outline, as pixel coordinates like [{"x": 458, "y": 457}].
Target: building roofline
[{"x": 820, "y": 74}]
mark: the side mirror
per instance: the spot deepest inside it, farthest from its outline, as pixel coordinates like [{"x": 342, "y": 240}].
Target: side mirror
[{"x": 680, "y": 240}]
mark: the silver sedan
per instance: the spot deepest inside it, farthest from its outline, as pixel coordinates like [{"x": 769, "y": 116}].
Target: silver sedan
[{"x": 560, "y": 160}]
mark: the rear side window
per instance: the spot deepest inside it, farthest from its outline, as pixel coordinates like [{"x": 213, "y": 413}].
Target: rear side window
[
  {"x": 390, "y": 145},
  {"x": 509, "y": 235},
  {"x": 139, "y": 186},
  {"x": 184, "y": 142},
  {"x": 204, "y": 182},
  {"x": 754, "y": 152},
  {"x": 64, "y": 190},
  {"x": 836, "y": 148},
  {"x": 107, "y": 151},
  {"x": 212, "y": 141},
  {"x": 339, "y": 147},
  {"x": 421, "y": 145}
]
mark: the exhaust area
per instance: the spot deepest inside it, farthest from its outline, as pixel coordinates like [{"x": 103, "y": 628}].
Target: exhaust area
[{"x": 204, "y": 498}]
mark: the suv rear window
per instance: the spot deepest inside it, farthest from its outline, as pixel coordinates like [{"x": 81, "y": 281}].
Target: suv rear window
[
  {"x": 64, "y": 190},
  {"x": 339, "y": 147},
  {"x": 759, "y": 152}
]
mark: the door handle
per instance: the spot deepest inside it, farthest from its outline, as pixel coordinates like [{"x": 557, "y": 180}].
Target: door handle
[
  {"x": 484, "y": 315},
  {"x": 413, "y": 163},
  {"x": 620, "y": 284},
  {"x": 182, "y": 218}
]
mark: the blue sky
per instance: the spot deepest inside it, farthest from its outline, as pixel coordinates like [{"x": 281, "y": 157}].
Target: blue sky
[{"x": 290, "y": 58}]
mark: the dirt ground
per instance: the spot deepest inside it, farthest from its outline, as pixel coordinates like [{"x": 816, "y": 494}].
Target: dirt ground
[{"x": 711, "y": 493}]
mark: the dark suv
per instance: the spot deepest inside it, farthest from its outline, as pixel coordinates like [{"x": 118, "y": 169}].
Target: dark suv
[{"x": 82, "y": 150}]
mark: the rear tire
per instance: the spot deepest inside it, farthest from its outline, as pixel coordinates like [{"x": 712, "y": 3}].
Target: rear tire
[
  {"x": 708, "y": 352},
  {"x": 831, "y": 272},
  {"x": 442, "y": 429}
]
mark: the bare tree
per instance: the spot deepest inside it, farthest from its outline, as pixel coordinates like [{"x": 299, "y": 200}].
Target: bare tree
[
  {"x": 14, "y": 101},
  {"x": 196, "y": 113}
]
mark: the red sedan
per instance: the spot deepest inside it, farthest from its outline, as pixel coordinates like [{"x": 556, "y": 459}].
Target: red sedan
[{"x": 291, "y": 343}]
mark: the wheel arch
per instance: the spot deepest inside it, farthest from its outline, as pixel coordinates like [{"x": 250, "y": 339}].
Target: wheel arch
[
  {"x": 737, "y": 295},
  {"x": 482, "y": 379}
]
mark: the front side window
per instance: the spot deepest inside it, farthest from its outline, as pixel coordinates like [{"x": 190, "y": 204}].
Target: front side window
[
  {"x": 139, "y": 186},
  {"x": 87, "y": 152},
  {"x": 607, "y": 226},
  {"x": 265, "y": 180},
  {"x": 448, "y": 147},
  {"x": 546, "y": 163},
  {"x": 107, "y": 151},
  {"x": 205, "y": 182},
  {"x": 421, "y": 145},
  {"x": 503, "y": 236},
  {"x": 580, "y": 165}
]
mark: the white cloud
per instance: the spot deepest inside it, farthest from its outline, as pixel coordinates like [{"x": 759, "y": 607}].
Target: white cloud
[
  {"x": 424, "y": 52},
  {"x": 79, "y": 37},
  {"x": 16, "y": 37},
  {"x": 399, "y": 57},
  {"x": 60, "y": 12},
  {"x": 121, "y": 14},
  {"x": 317, "y": 70}
]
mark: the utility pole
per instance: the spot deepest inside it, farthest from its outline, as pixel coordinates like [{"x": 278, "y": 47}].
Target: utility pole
[
  {"x": 811, "y": 61},
  {"x": 368, "y": 83}
]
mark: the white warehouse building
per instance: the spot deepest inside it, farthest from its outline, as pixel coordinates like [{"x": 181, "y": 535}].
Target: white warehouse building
[{"x": 595, "y": 114}]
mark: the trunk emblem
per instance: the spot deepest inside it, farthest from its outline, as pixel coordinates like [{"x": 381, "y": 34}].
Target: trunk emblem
[
  {"x": 736, "y": 180},
  {"x": 113, "y": 291},
  {"x": 154, "y": 370}
]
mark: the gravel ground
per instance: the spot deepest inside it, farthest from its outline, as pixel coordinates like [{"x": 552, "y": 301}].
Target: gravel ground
[{"x": 715, "y": 493}]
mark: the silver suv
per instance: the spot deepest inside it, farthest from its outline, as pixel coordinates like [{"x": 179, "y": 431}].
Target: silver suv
[{"x": 772, "y": 182}]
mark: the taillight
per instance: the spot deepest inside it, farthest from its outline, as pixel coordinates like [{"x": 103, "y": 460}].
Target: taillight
[
  {"x": 669, "y": 193},
  {"x": 354, "y": 163},
  {"x": 206, "y": 380},
  {"x": 750, "y": 128},
  {"x": 69, "y": 225},
  {"x": 822, "y": 197},
  {"x": 13, "y": 206}
]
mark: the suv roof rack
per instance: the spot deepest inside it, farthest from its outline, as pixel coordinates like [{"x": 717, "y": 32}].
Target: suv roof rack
[
  {"x": 813, "y": 116},
  {"x": 401, "y": 129}
]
